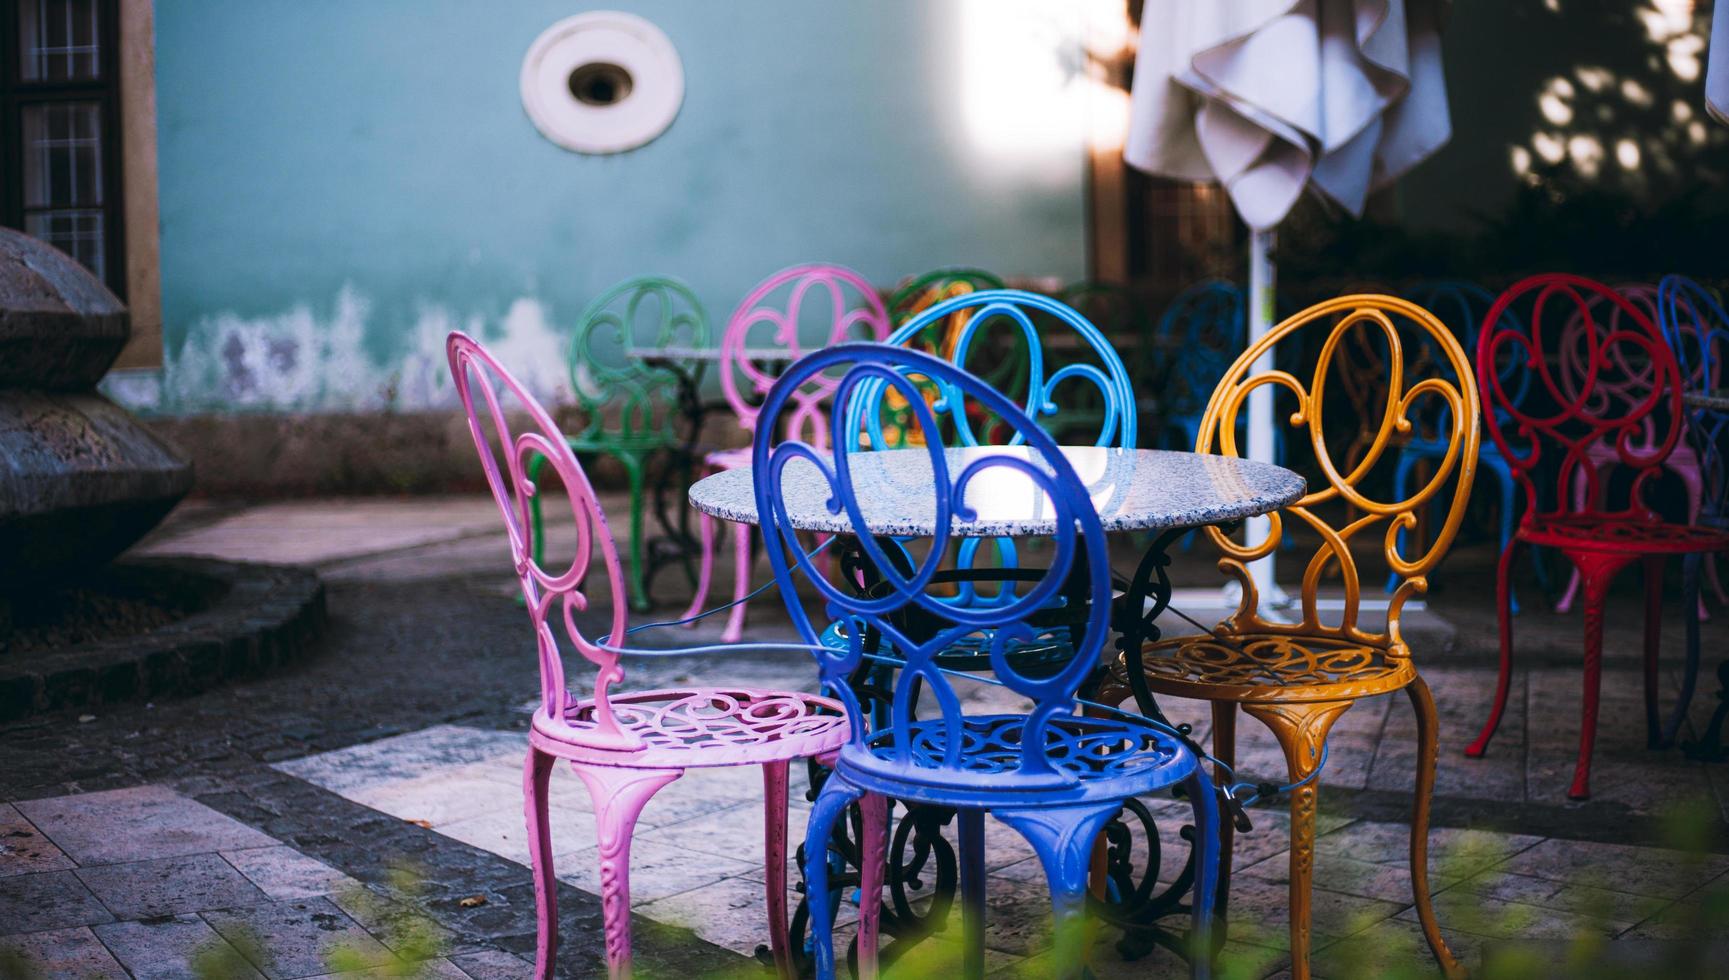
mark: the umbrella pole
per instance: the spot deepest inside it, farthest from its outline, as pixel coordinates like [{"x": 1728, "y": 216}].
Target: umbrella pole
[{"x": 1261, "y": 312}]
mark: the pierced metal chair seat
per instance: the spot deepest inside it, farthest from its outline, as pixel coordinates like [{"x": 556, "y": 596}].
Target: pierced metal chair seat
[
  {"x": 1591, "y": 532},
  {"x": 1228, "y": 666},
  {"x": 692, "y": 729},
  {"x": 1095, "y": 760}
]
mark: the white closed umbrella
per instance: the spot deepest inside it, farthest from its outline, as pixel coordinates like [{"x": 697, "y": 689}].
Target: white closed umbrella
[{"x": 1270, "y": 98}]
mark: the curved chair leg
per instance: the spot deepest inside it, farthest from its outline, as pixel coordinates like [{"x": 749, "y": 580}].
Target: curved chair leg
[
  {"x": 972, "y": 837},
  {"x": 741, "y": 563},
  {"x": 1503, "y": 613},
  {"x": 1504, "y": 481},
  {"x": 1694, "y": 484},
  {"x": 619, "y": 794},
  {"x": 633, "y": 468},
  {"x": 705, "y": 571},
  {"x": 1204, "y": 896},
  {"x": 1598, "y": 570},
  {"x": 536, "y": 775},
  {"x": 1063, "y": 839},
  {"x": 1301, "y": 729},
  {"x": 1428, "y": 751},
  {"x": 873, "y": 868},
  {"x": 1224, "y": 750},
  {"x": 774, "y": 794},
  {"x": 830, "y": 806},
  {"x": 1654, "y": 645},
  {"x": 1690, "y": 567}
]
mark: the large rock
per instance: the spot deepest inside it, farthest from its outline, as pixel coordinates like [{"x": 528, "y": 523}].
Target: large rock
[{"x": 80, "y": 479}]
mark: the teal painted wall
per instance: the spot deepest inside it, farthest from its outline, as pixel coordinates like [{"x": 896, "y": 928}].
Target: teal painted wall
[{"x": 342, "y": 182}]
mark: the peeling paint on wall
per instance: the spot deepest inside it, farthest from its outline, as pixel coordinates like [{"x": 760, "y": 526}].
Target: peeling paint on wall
[{"x": 298, "y": 361}]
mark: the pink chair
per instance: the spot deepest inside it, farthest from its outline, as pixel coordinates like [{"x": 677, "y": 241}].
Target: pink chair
[
  {"x": 623, "y": 746},
  {"x": 769, "y": 320},
  {"x": 1602, "y": 456}
]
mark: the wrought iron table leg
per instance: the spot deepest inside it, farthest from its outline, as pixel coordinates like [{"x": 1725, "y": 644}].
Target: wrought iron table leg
[
  {"x": 676, "y": 543},
  {"x": 1138, "y": 907}
]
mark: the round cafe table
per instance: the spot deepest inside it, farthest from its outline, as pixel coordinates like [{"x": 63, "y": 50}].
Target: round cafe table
[
  {"x": 1138, "y": 490},
  {"x": 1132, "y": 489},
  {"x": 1716, "y": 400}
]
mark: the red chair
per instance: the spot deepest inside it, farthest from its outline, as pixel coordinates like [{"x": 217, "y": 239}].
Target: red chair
[{"x": 1623, "y": 389}]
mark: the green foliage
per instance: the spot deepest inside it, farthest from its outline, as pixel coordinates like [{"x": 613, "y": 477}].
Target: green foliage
[{"x": 230, "y": 956}]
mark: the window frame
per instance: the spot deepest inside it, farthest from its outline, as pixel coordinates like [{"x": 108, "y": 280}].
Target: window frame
[{"x": 17, "y": 93}]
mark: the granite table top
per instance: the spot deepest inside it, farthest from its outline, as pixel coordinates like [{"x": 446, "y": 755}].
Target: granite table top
[
  {"x": 1133, "y": 489},
  {"x": 1716, "y": 399}
]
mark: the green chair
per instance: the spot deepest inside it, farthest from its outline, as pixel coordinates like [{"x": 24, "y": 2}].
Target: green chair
[{"x": 634, "y": 406}]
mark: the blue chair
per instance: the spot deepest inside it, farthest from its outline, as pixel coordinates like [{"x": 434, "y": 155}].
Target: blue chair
[
  {"x": 1461, "y": 305},
  {"x": 1697, "y": 330},
  {"x": 1052, "y": 774},
  {"x": 1197, "y": 338}
]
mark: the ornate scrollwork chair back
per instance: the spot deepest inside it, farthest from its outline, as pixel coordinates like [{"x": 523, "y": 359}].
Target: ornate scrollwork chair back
[
  {"x": 900, "y": 608},
  {"x": 624, "y": 399},
  {"x": 1207, "y": 323},
  {"x": 804, "y": 308},
  {"x": 631, "y": 408},
  {"x": 1461, "y": 305},
  {"x": 555, "y": 596},
  {"x": 1603, "y": 375},
  {"x": 925, "y": 291},
  {"x": 1697, "y": 328},
  {"x": 1027, "y": 322},
  {"x": 1019, "y": 315},
  {"x": 1401, "y": 326}
]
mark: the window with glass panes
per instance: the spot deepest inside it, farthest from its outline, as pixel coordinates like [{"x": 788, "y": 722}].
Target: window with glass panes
[{"x": 60, "y": 128}]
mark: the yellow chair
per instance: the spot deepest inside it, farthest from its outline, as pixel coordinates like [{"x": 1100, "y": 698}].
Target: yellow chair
[{"x": 1298, "y": 678}]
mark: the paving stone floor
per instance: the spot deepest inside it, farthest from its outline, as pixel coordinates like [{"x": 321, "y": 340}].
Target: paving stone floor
[{"x": 361, "y": 814}]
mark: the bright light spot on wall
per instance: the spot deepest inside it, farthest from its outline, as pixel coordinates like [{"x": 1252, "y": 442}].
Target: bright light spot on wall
[
  {"x": 1549, "y": 147},
  {"x": 1637, "y": 94},
  {"x": 1553, "y": 5},
  {"x": 1664, "y": 19},
  {"x": 1107, "y": 117},
  {"x": 1586, "y": 153},
  {"x": 1627, "y": 154},
  {"x": 1683, "y": 56},
  {"x": 1595, "y": 79},
  {"x": 1555, "y": 109},
  {"x": 1696, "y": 132},
  {"x": 1521, "y": 160},
  {"x": 1681, "y": 110},
  {"x": 1108, "y": 27},
  {"x": 1023, "y": 91}
]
